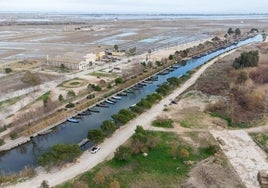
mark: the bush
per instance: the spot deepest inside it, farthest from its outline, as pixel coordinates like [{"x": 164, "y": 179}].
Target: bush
[
  {"x": 8, "y": 70},
  {"x": 91, "y": 96},
  {"x": 122, "y": 153},
  {"x": 242, "y": 77},
  {"x": 166, "y": 123},
  {"x": 118, "y": 80},
  {"x": 96, "y": 135},
  {"x": 13, "y": 135},
  {"x": 144, "y": 104},
  {"x": 142, "y": 140},
  {"x": 71, "y": 94},
  {"x": 163, "y": 89},
  {"x": 123, "y": 116},
  {"x": 96, "y": 87},
  {"x": 247, "y": 59},
  {"x": 211, "y": 149},
  {"x": 1, "y": 142},
  {"x": 60, "y": 98},
  {"x": 59, "y": 154},
  {"x": 174, "y": 81},
  {"x": 137, "y": 109},
  {"x": 184, "y": 153},
  {"x": 70, "y": 105},
  {"x": 108, "y": 127}
]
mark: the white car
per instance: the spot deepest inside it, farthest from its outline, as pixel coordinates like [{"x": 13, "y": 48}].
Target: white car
[{"x": 94, "y": 149}]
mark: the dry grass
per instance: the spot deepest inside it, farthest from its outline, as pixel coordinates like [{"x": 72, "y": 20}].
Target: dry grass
[
  {"x": 246, "y": 99},
  {"x": 26, "y": 173}
]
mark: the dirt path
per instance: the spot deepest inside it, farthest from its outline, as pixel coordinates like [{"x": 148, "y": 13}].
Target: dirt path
[
  {"x": 88, "y": 160},
  {"x": 244, "y": 155}
]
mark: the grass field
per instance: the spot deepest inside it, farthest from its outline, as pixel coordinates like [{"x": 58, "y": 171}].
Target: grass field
[{"x": 159, "y": 169}]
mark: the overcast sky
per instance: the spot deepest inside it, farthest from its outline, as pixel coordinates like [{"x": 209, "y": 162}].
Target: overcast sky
[{"x": 137, "y": 6}]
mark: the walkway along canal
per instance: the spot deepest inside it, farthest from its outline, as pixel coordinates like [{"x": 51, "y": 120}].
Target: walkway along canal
[{"x": 70, "y": 133}]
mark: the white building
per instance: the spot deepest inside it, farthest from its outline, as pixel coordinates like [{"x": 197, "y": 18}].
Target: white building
[{"x": 73, "y": 60}]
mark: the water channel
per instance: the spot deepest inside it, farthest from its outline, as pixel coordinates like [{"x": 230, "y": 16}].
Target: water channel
[{"x": 26, "y": 155}]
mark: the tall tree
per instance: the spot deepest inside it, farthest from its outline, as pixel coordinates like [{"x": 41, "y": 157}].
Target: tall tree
[
  {"x": 230, "y": 31},
  {"x": 116, "y": 47},
  {"x": 237, "y": 32}
]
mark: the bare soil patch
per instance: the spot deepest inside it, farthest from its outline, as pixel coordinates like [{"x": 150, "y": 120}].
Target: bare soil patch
[
  {"x": 213, "y": 172},
  {"x": 190, "y": 111}
]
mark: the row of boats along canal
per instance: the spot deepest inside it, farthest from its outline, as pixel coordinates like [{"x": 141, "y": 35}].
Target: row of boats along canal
[
  {"x": 118, "y": 96},
  {"x": 68, "y": 132}
]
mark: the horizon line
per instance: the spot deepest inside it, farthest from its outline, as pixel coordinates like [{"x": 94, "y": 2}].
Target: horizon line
[{"x": 128, "y": 13}]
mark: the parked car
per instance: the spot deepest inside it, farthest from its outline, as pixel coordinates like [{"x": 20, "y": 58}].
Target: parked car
[{"x": 94, "y": 149}]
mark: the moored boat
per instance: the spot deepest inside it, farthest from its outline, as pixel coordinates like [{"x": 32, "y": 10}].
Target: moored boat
[
  {"x": 109, "y": 102},
  {"x": 116, "y": 97},
  {"x": 72, "y": 120}
]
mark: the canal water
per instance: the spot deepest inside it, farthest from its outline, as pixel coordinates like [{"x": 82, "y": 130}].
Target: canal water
[{"x": 70, "y": 133}]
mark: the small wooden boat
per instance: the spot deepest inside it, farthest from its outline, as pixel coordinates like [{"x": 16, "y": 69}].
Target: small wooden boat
[
  {"x": 102, "y": 105},
  {"x": 142, "y": 84},
  {"x": 129, "y": 91},
  {"x": 72, "y": 120},
  {"x": 116, "y": 97},
  {"x": 92, "y": 110},
  {"x": 85, "y": 113},
  {"x": 112, "y": 100},
  {"x": 109, "y": 102},
  {"x": 122, "y": 94}
]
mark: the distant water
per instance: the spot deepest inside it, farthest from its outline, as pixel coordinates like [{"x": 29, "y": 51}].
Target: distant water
[
  {"x": 174, "y": 16},
  {"x": 48, "y": 17}
]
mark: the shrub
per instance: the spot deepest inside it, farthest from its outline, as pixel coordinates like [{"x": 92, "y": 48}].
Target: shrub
[
  {"x": 59, "y": 154},
  {"x": 247, "y": 59},
  {"x": 142, "y": 140},
  {"x": 108, "y": 127},
  {"x": 137, "y": 109},
  {"x": 211, "y": 149},
  {"x": 8, "y": 70},
  {"x": 13, "y": 135},
  {"x": 123, "y": 116},
  {"x": 163, "y": 89},
  {"x": 166, "y": 123},
  {"x": 70, "y": 105},
  {"x": 174, "y": 81},
  {"x": 71, "y": 94},
  {"x": 96, "y": 135},
  {"x": 1, "y": 142},
  {"x": 184, "y": 153},
  {"x": 144, "y": 104},
  {"x": 96, "y": 87},
  {"x": 60, "y": 98},
  {"x": 122, "y": 153},
  {"x": 91, "y": 96},
  {"x": 118, "y": 80},
  {"x": 242, "y": 77}
]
